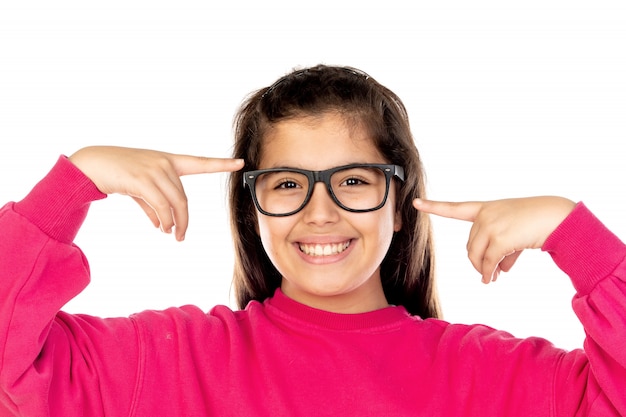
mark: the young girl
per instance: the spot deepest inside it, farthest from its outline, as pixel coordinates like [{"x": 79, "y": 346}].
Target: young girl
[{"x": 333, "y": 274}]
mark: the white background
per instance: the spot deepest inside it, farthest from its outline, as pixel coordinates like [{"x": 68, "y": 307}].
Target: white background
[{"x": 506, "y": 99}]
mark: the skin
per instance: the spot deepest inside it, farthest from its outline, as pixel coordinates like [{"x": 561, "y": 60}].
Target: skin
[
  {"x": 501, "y": 229},
  {"x": 348, "y": 282},
  {"x": 151, "y": 178}
]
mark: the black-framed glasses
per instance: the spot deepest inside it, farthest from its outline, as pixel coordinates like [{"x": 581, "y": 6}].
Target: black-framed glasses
[{"x": 356, "y": 187}]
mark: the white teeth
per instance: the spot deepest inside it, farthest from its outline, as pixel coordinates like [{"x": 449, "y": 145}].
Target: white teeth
[{"x": 324, "y": 250}]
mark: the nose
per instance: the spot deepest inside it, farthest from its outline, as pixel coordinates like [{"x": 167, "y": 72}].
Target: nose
[{"x": 321, "y": 208}]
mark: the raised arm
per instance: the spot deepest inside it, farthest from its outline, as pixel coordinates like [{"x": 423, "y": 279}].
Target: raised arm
[
  {"x": 586, "y": 382},
  {"x": 56, "y": 364}
]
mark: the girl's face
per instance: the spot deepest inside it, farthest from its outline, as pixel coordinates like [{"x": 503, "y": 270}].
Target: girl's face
[{"x": 347, "y": 280}]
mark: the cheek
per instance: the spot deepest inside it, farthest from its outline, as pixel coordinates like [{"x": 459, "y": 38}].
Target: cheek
[
  {"x": 273, "y": 231},
  {"x": 378, "y": 230},
  {"x": 386, "y": 229}
]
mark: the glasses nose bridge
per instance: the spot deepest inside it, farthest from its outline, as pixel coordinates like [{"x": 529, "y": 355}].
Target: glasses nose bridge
[{"x": 324, "y": 177}]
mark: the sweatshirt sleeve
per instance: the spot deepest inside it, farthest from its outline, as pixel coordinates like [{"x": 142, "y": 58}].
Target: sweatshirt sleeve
[
  {"x": 51, "y": 363},
  {"x": 593, "y": 382}
]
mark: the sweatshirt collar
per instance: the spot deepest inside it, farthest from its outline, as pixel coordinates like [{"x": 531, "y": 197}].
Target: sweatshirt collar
[{"x": 288, "y": 308}]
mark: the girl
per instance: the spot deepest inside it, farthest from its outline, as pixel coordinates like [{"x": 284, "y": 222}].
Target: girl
[{"x": 333, "y": 274}]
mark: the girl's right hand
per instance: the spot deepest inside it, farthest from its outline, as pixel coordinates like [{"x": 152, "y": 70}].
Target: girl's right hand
[{"x": 151, "y": 178}]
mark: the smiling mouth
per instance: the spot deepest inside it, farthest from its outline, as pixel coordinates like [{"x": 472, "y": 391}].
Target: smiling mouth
[{"x": 324, "y": 250}]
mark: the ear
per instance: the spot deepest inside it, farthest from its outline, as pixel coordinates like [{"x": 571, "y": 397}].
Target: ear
[
  {"x": 397, "y": 221},
  {"x": 256, "y": 223}
]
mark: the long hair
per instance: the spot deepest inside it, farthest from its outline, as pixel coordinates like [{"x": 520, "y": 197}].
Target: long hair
[{"x": 407, "y": 271}]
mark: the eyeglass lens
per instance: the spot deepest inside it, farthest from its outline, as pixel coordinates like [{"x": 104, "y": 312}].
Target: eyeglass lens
[{"x": 357, "y": 188}]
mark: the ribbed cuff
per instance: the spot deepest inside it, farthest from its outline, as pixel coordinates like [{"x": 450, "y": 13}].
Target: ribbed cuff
[
  {"x": 584, "y": 249},
  {"x": 58, "y": 204}
]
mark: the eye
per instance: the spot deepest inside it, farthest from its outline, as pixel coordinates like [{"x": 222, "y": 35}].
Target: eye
[
  {"x": 287, "y": 184},
  {"x": 353, "y": 181},
  {"x": 357, "y": 177}
]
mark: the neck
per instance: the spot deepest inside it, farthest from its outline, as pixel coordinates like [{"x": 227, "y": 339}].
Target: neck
[{"x": 361, "y": 300}]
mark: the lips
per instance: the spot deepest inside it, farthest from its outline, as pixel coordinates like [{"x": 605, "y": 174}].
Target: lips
[{"x": 326, "y": 249}]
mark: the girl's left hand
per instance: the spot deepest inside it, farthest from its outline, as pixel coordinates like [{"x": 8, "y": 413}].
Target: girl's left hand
[{"x": 502, "y": 229}]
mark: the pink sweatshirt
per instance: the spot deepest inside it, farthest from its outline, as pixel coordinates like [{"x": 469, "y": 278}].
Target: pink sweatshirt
[{"x": 281, "y": 358}]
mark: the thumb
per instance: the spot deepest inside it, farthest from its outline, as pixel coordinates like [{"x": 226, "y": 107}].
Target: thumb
[
  {"x": 507, "y": 263},
  {"x": 455, "y": 210}
]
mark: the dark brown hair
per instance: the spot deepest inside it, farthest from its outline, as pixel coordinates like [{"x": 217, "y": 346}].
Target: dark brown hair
[{"x": 407, "y": 272}]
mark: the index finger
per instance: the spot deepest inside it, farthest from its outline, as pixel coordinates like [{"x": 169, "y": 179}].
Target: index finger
[
  {"x": 190, "y": 165},
  {"x": 466, "y": 210}
]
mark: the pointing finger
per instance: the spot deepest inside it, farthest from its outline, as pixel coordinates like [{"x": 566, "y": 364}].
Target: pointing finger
[
  {"x": 189, "y": 165},
  {"x": 455, "y": 210}
]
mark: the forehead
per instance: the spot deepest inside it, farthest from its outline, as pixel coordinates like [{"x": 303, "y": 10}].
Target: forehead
[{"x": 318, "y": 142}]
